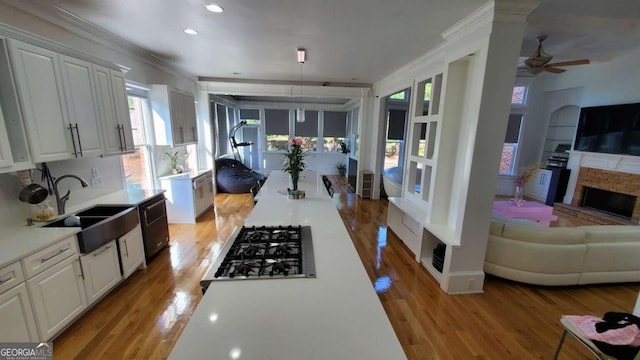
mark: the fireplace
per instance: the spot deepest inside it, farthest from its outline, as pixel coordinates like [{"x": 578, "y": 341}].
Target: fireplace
[
  {"x": 611, "y": 192},
  {"x": 609, "y": 201}
]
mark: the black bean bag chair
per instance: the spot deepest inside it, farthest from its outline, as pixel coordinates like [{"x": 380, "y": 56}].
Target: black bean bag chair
[{"x": 234, "y": 177}]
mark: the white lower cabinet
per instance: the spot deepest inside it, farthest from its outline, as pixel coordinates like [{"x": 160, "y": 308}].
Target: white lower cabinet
[
  {"x": 538, "y": 185},
  {"x": 17, "y": 316},
  {"x": 101, "y": 271},
  {"x": 57, "y": 296},
  {"x": 187, "y": 198},
  {"x": 131, "y": 251}
]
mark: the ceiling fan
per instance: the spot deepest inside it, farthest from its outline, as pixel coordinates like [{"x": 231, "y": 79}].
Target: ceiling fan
[{"x": 539, "y": 61}]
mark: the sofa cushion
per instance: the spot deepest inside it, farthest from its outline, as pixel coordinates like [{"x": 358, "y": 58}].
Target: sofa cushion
[
  {"x": 495, "y": 228},
  {"x": 543, "y": 235},
  {"x": 611, "y": 233},
  {"x": 535, "y": 257}
]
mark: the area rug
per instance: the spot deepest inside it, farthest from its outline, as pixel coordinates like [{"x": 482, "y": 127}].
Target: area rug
[{"x": 529, "y": 210}]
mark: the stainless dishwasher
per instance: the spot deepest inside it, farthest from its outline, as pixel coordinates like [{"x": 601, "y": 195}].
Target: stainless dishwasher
[{"x": 153, "y": 221}]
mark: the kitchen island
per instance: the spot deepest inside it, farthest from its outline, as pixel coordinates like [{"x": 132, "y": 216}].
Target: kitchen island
[{"x": 336, "y": 315}]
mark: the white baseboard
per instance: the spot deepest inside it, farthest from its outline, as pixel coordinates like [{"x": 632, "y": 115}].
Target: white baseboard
[{"x": 463, "y": 282}]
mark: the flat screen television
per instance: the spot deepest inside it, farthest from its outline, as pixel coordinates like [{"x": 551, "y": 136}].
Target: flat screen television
[{"x": 613, "y": 129}]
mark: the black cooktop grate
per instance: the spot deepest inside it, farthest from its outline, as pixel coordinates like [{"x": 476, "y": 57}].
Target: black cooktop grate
[{"x": 266, "y": 251}]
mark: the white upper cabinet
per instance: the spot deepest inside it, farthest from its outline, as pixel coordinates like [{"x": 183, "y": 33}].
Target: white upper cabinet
[
  {"x": 119, "y": 88},
  {"x": 39, "y": 85},
  {"x": 174, "y": 116},
  {"x": 111, "y": 94},
  {"x": 82, "y": 108},
  {"x": 6, "y": 159}
]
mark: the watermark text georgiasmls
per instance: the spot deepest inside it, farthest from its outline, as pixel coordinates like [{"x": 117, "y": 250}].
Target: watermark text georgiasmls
[{"x": 26, "y": 351}]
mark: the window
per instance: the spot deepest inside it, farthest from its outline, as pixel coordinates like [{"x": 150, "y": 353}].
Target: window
[
  {"x": 510, "y": 148},
  {"x": 335, "y": 130},
  {"x": 308, "y": 130},
  {"x": 394, "y": 142},
  {"x": 512, "y": 137},
  {"x": 276, "y": 129},
  {"x": 399, "y": 96},
  {"x": 223, "y": 129},
  {"x": 251, "y": 116},
  {"x": 137, "y": 166},
  {"x": 518, "y": 95}
]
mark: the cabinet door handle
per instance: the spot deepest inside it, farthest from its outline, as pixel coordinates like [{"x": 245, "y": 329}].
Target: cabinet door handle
[
  {"x": 42, "y": 261},
  {"x": 79, "y": 143},
  {"x": 5, "y": 280},
  {"x": 124, "y": 138},
  {"x": 73, "y": 141},
  {"x": 120, "y": 137},
  {"x": 103, "y": 250},
  {"x": 126, "y": 249},
  {"x": 81, "y": 269}
]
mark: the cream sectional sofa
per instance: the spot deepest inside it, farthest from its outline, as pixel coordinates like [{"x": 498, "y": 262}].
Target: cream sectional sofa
[{"x": 563, "y": 256}]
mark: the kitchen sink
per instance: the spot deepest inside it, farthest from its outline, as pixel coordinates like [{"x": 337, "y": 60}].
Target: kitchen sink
[
  {"x": 101, "y": 224},
  {"x": 84, "y": 223},
  {"x": 103, "y": 210}
]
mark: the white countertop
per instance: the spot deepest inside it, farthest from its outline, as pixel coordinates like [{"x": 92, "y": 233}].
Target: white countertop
[
  {"x": 189, "y": 175},
  {"x": 336, "y": 315},
  {"x": 19, "y": 240}
]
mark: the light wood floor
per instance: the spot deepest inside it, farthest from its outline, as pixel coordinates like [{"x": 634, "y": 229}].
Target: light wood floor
[{"x": 144, "y": 317}]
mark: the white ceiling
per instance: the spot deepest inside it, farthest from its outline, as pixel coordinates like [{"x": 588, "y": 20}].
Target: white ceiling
[{"x": 348, "y": 41}]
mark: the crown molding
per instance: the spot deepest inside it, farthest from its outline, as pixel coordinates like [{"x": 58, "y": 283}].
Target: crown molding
[
  {"x": 87, "y": 31},
  {"x": 507, "y": 11},
  {"x": 285, "y": 82}
]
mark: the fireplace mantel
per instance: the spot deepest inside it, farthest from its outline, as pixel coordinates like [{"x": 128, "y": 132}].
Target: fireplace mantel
[{"x": 610, "y": 162}]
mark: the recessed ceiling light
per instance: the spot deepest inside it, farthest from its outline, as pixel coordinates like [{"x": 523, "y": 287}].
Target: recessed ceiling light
[
  {"x": 214, "y": 8},
  {"x": 190, "y": 31}
]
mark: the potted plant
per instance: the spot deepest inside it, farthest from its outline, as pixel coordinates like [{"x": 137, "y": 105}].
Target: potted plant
[
  {"x": 294, "y": 163},
  {"x": 174, "y": 158},
  {"x": 342, "y": 169}
]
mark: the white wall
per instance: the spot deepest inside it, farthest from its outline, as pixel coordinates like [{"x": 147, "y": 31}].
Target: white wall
[
  {"x": 109, "y": 168},
  {"x": 613, "y": 82},
  {"x": 323, "y": 163},
  {"x": 143, "y": 68}
]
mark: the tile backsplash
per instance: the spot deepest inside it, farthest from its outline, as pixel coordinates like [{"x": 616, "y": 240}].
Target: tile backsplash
[{"x": 109, "y": 172}]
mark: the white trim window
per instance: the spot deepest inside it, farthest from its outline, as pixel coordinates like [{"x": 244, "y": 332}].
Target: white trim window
[
  {"x": 138, "y": 166},
  {"x": 514, "y": 129},
  {"x": 322, "y": 130},
  {"x": 276, "y": 129}
]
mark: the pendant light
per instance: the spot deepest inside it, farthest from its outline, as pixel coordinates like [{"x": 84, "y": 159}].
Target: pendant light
[{"x": 302, "y": 55}]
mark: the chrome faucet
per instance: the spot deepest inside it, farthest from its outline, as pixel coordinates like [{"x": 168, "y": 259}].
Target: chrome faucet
[{"x": 61, "y": 201}]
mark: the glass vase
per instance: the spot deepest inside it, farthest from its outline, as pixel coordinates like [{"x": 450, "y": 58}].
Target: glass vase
[
  {"x": 293, "y": 181},
  {"x": 518, "y": 196}
]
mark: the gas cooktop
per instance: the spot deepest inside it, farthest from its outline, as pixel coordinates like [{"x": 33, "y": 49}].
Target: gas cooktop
[{"x": 266, "y": 252}]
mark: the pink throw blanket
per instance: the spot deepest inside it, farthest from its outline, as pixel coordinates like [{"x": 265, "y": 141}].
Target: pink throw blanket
[{"x": 586, "y": 325}]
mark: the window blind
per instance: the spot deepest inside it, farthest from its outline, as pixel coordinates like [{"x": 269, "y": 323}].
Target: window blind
[
  {"x": 310, "y": 126},
  {"x": 335, "y": 124},
  {"x": 513, "y": 129},
  {"x": 276, "y": 122},
  {"x": 395, "y": 130},
  {"x": 251, "y": 114}
]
